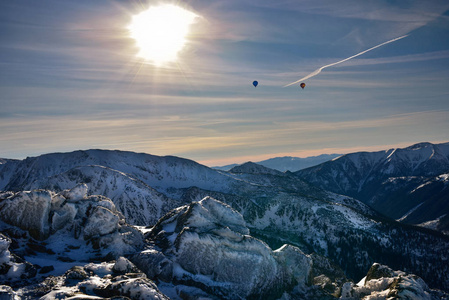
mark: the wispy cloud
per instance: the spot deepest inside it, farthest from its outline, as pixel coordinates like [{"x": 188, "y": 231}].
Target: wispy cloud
[
  {"x": 70, "y": 79},
  {"x": 404, "y": 11}
]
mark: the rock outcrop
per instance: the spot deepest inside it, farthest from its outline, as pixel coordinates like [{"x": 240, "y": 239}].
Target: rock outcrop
[
  {"x": 207, "y": 244},
  {"x": 71, "y": 212}
]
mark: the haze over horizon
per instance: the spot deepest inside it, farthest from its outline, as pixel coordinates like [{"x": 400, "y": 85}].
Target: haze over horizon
[{"x": 71, "y": 79}]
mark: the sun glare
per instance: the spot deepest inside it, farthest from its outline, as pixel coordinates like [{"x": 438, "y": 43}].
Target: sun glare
[{"x": 160, "y": 32}]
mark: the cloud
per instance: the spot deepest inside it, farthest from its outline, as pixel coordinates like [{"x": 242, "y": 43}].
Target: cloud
[
  {"x": 71, "y": 80},
  {"x": 409, "y": 11}
]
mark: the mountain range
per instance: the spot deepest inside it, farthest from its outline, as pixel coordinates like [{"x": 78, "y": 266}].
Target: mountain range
[
  {"x": 409, "y": 184},
  {"x": 184, "y": 230},
  {"x": 288, "y": 163}
]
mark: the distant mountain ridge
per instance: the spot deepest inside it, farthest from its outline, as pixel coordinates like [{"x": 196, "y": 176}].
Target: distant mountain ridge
[
  {"x": 409, "y": 183},
  {"x": 253, "y": 168},
  {"x": 288, "y": 163}
]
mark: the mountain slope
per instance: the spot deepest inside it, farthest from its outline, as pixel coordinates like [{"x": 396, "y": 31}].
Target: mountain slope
[
  {"x": 138, "y": 202},
  {"x": 394, "y": 181},
  {"x": 155, "y": 171},
  {"x": 277, "y": 207}
]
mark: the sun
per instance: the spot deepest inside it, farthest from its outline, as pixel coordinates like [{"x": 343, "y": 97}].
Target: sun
[{"x": 161, "y": 32}]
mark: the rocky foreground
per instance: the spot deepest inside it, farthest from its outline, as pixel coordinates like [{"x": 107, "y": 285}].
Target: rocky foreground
[{"x": 69, "y": 245}]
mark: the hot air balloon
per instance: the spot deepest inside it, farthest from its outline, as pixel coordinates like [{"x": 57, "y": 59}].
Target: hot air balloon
[
  {"x": 255, "y": 83},
  {"x": 302, "y": 85}
]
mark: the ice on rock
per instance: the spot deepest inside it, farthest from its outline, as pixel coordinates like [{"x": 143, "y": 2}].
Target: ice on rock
[
  {"x": 7, "y": 293},
  {"x": 106, "y": 280},
  {"x": 137, "y": 288},
  {"x": 346, "y": 290},
  {"x": 227, "y": 216},
  {"x": 29, "y": 211},
  {"x": 412, "y": 287},
  {"x": 100, "y": 269},
  {"x": 44, "y": 214},
  {"x": 296, "y": 263},
  {"x": 63, "y": 216},
  {"x": 122, "y": 265},
  {"x": 101, "y": 222},
  {"x": 78, "y": 193},
  {"x": 246, "y": 265},
  {"x": 57, "y": 201},
  {"x": 382, "y": 282},
  {"x": 155, "y": 264},
  {"x": 5, "y": 255},
  {"x": 90, "y": 285},
  {"x": 11, "y": 268},
  {"x": 210, "y": 214},
  {"x": 213, "y": 250}
]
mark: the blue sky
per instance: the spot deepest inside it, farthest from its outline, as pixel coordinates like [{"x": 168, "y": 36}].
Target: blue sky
[{"x": 70, "y": 79}]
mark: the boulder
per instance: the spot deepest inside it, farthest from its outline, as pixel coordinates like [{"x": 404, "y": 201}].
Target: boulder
[
  {"x": 382, "y": 282},
  {"x": 29, "y": 211}
]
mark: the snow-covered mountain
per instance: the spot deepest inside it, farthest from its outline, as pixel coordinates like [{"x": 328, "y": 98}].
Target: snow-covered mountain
[
  {"x": 253, "y": 168},
  {"x": 256, "y": 207},
  {"x": 138, "y": 202},
  {"x": 288, "y": 163},
  {"x": 155, "y": 171},
  {"x": 410, "y": 184}
]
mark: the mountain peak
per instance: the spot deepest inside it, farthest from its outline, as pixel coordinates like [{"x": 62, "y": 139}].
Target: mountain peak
[
  {"x": 419, "y": 146},
  {"x": 377, "y": 178},
  {"x": 253, "y": 168}
]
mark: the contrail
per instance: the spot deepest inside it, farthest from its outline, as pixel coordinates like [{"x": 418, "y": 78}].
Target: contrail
[{"x": 316, "y": 72}]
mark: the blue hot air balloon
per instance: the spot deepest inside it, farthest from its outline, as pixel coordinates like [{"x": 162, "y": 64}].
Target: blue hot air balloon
[{"x": 255, "y": 83}]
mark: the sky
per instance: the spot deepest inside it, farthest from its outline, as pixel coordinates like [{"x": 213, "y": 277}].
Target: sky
[{"x": 71, "y": 78}]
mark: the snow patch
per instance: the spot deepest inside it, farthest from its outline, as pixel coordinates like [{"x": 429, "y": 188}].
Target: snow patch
[
  {"x": 357, "y": 220},
  {"x": 409, "y": 213}
]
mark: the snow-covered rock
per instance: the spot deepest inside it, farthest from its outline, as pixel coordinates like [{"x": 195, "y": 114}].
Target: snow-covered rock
[
  {"x": 7, "y": 293},
  {"x": 200, "y": 251},
  {"x": 29, "y": 211},
  {"x": 63, "y": 215},
  {"x": 71, "y": 212},
  {"x": 5, "y": 255},
  {"x": 295, "y": 263},
  {"x": 12, "y": 268},
  {"x": 123, "y": 266},
  {"x": 207, "y": 244},
  {"x": 78, "y": 193},
  {"x": 382, "y": 282},
  {"x": 102, "y": 221},
  {"x": 98, "y": 281}
]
